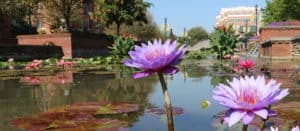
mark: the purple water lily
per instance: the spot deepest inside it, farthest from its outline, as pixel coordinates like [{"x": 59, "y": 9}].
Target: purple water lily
[
  {"x": 248, "y": 96},
  {"x": 155, "y": 57}
]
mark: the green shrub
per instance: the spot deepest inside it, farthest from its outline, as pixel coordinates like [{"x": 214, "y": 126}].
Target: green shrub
[
  {"x": 223, "y": 41},
  {"x": 121, "y": 47},
  {"x": 197, "y": 55}
]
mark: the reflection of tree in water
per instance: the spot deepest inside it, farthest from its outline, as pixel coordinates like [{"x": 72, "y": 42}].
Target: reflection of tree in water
[
  {"x": 22, "y": 99},
  {"x": 15, "y": 102},
  {"x": 193, "y": 71},
  {"x": 110, "y": 87},
  {"x": 215, "y": 80},
  {"x": 113, "y": 88},
  {"x": 219, "y": 74}
]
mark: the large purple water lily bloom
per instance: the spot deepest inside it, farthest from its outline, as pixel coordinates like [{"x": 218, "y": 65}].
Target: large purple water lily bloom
[
  {"x": 155, "y": 57},
  {"x": 248, "y": 96}
]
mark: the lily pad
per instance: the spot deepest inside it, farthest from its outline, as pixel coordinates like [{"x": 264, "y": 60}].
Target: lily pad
[
  {"x": 78, "y": 116},
  {"x": 39, "y": 124},
  {"x": 30, "y": 123},
  {"x": 103, "y": 108},
  {"x": 162, "y": 111}
]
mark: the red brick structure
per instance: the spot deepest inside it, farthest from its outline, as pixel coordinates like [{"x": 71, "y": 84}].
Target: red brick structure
[
  {"x": 63, "y": 40},
  {"x": 268, "y": 32},
  {"x": 71, "y": 46},
  {"x": 279, "y": 42}
]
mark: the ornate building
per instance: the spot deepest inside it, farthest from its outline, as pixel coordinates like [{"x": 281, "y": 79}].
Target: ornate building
[{"x": 243, "y": 19}]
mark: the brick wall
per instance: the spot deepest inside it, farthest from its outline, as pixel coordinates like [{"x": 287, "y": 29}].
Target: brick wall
[
  {"x": 281, "y": 49},
  {"x": 62, "y": 39},
  {"x": 277, "y": 49},
  {"x": 87, "y": 47},
  {"x": 71, "y": 46},
  {"x": 269, "y": 32}
]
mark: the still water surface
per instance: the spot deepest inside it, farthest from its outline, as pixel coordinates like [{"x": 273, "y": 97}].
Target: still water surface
[{"x": 26, "y": 96}]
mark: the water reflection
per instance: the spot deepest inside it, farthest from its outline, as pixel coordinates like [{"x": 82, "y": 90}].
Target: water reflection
[{"x": 31, "y": 94}]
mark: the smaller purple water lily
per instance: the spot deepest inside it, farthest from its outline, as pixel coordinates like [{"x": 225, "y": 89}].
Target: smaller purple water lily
[
  {"x": 248, "y": 96},
  {"x": 155, "y": 57}
]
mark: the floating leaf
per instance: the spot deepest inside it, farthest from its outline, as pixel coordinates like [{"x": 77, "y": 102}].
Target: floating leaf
[
  {"x": 30, "y": 123},
  {"x": 78, "y": 116},
  {"x": 162, "y": 111},
  {"x": 103, "y": 108}
]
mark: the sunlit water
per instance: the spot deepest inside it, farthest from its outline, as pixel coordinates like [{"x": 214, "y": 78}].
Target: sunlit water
[{"x": 26, "y": 96}]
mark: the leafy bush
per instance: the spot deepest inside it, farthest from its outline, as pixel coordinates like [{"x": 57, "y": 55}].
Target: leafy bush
[
  {"x": 197, "y": 55},
  {"x": 223, "y": 41},
  {"x": 121, "y": 47}
]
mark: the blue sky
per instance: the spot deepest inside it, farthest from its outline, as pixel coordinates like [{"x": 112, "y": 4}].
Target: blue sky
[{"x": 191, "y": 13}]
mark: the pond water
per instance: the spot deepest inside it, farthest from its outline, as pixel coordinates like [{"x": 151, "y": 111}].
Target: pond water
[{"x": 25, "y": 96}]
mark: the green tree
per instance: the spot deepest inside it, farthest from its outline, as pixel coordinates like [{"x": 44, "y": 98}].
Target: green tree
[
  {"x": 18, "y": 9},
  {"x": 21, "y": 11},
  {"x": 121, "y": 12},
  {"x": 196, "y": 34},
  {"x": 121, "y": 47},
  {"x": 140, "y": 30},
  {"x": 282, "y": 10},
  {"x": 66, "y": 9},
  {"x": 223, "y": 41}
]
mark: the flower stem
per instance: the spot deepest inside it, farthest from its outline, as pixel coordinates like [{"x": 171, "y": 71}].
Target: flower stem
[
  {"x": 262, "y": 125},
  {"x": 245, "y": 127},
  {"x": 168, "y": 105}
]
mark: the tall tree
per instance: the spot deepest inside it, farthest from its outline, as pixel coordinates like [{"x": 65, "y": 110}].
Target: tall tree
[
  {"x": 17, "y": 9},
  {"x": 21, "y": 12},
  {"x": 65, "y": 8},
  {"x": 282, "y": 10},
  {"x": 121, "y": 12},
  {"x": 141, "y": 31},
  {"x": 196, "y": 34}
]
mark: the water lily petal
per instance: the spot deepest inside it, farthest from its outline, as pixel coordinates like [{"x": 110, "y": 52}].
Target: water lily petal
[
  {"x": 142, "y": 74},
  {"x": 132, "y": 63},
  {"x": 248, "y": 118},
  {"x": 272, "y": 113},
  {"x": 170, "y": 70},
  {"x": 234, "y": 117},
  {"x": 262, "y": 113},
  {"x": 283, "y": 93}
]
